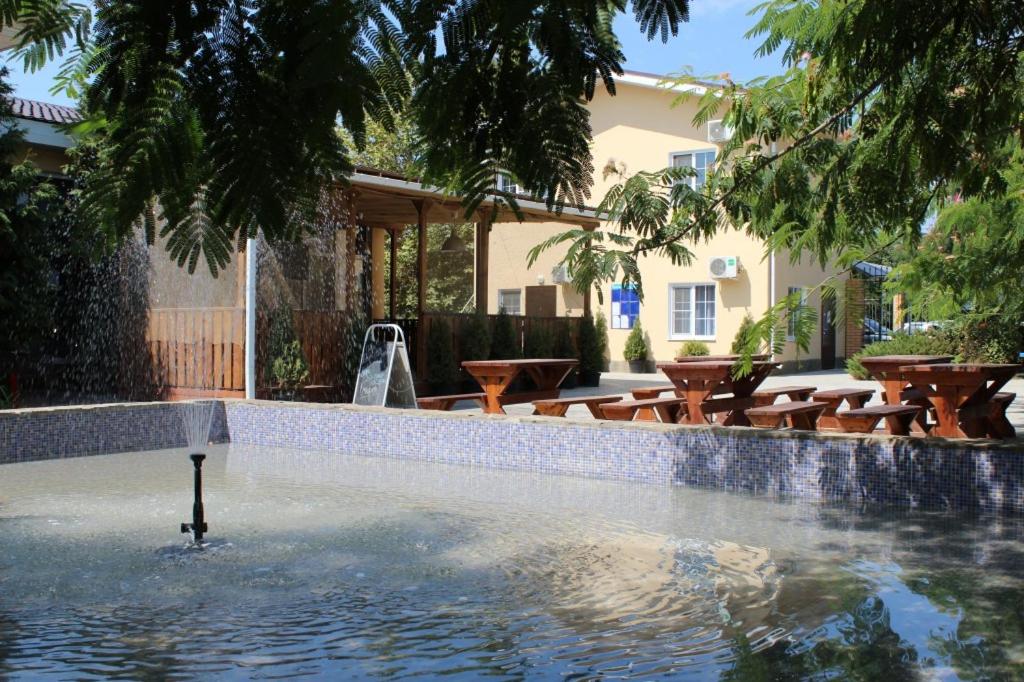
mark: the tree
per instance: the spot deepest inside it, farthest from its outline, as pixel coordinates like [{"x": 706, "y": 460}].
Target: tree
[
  {"x": 223, "y": 113},
  {"x": 885, "y": 110},
  {"x": 25, "y": 207}
]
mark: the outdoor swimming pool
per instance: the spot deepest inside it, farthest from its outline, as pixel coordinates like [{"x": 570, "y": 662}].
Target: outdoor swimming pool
[{"x": 329, "y": 564}]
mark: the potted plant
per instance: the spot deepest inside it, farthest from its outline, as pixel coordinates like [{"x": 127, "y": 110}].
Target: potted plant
[
  {"x": 601, "y": 329},
  {"x": 744, "y": 335},
  {"x": 504, "y": 339},
  {"x": 691, "y": 349},
  {"x": 590, "y": 353},
  {"x": 635, "y": 351}
]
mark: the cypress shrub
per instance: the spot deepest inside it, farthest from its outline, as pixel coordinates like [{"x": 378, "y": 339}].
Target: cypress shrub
[
  {"x": 504, "y": 340},
  {"x": 442, "y": 373}
]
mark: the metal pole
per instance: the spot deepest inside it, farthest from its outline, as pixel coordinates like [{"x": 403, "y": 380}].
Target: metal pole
[{"x": 250, "y": 318}]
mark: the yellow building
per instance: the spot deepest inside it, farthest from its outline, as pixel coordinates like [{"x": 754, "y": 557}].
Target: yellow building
[{"x": 639, "y": 129}]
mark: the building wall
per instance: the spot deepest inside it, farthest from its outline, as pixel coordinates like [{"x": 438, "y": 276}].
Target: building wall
[{"x": 637, "y": 130}]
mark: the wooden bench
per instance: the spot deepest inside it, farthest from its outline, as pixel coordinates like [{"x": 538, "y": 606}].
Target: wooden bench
[
  {"x": 865, "y": 419},
  {"x": 768, "y": 396},
  {"x": 798, "y": 414},
  {"x": 654, "y": 409},
  {"x": 649, "y": 392},
  {"x": 990, "y": 418},
  {"x": 834, "y": 398},
  {"x": 447, "y": 402},
  {"x": 557, "y": 407}
]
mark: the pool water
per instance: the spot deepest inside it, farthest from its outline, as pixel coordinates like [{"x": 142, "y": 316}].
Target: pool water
[{"x": 363, "y": 567}]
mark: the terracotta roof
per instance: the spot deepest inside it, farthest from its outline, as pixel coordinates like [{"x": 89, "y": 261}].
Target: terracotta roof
[{"x": 43, "y": 111}]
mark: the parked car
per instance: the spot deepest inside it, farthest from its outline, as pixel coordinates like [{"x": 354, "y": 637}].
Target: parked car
[
  {"x": 873, "y": 331},
  {"x": 919, "y": 326}
]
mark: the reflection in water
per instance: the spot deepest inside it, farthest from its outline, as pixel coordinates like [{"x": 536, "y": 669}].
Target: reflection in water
[{"x": 350, "y": 566}]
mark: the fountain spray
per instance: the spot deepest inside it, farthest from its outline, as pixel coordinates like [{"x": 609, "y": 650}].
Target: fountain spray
[{"x": 197, "y": 418}]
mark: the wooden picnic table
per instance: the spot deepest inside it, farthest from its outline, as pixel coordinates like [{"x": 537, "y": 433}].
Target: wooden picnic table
[
  {"x": 886, "y": 371},
  {"x": 962, "y": 397},
  {"x": 698, "y": 381},
  {"x": 718, "y": 358},
  {"x": 495, "y": 377}
]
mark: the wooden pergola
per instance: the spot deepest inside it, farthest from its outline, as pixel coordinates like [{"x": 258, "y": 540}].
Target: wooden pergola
[{"x": 388, "y": 202}]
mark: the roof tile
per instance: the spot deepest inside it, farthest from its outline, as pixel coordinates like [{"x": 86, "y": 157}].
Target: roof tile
[{"x": 43, "y": 111}]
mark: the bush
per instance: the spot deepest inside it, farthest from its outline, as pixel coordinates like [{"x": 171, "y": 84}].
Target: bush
[
  {"x": 693, "y": 349},
  {"x": 442, "y": 372},
  {"x": 984, "y": 339},
  {"x": 475, "y": 339},
  {"x": 636, "y": 345},
  {"x": 288, "y": 368},
  {"x": 504, "y": 339},
  {"x": 743, "y": 334},
  {"x": 539, "y": 343},
  {"x": 926, "y": 343},
  {"x": 601, "y": 328},
  {"x": 588, "y": 347}
]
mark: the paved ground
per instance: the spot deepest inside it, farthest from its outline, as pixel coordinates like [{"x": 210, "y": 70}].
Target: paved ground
[{"x": 620, "y": 383}]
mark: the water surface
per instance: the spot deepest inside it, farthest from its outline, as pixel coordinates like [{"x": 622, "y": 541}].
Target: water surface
[{"x": 361, "y": 567}]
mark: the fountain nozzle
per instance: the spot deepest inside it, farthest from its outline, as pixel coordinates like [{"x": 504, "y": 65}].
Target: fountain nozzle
[{"x": 198, "y": 525}]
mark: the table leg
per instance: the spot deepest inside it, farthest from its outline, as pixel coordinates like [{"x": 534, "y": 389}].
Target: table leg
[
  {"x": 697, "y": 391},
  {"x": 828, "y": 419},
  {"x": 946, "y": 400},
  {"x": 494, "y": 386}
]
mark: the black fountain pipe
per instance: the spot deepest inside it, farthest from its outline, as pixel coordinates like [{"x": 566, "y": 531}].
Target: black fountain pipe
[{"x": 198, "y": 525}]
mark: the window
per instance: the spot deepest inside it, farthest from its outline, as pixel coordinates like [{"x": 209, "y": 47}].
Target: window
[
  {"x": 701, "y": 162},
  {"x": 625, "y": 306},
  {"x": 692, "y": 310},
  {"x": 510, "y": 300},
  {"x": 505, "y": 184},
  {"x": 794, "y": 311}
]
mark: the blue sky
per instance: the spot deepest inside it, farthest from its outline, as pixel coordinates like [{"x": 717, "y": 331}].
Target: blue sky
[{"x": 711, "y": 43}]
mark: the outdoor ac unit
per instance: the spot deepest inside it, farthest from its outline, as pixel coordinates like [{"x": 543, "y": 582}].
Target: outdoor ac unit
[
  {"x": 717, "y": 132},
  {"x": 724, "y": 267},
  {"x": 560, "y": 275}
]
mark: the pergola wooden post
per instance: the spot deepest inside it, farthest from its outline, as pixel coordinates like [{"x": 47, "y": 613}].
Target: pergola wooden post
[
  {"x": 422, "y": 207},
  {"x": 589, "y": 290},
  {"x": 481, "y": 255},
  {"x": 393, "y": 275}
]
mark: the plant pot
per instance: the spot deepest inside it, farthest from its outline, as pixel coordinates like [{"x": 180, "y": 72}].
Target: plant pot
[
  {"x": 637, "y": 366},
  {"x": 571, "y": 380},
  {"x": 590, "y": 379}
]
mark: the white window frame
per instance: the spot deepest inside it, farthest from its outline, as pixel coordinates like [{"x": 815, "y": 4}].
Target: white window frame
[
  {"x": 517, "y": 292},
  {"x": 510, "y": 187},
  {"x": 803, "y": 304},
  {"x": 692, "y": 180},
  {"x": 690, "y": 336}
]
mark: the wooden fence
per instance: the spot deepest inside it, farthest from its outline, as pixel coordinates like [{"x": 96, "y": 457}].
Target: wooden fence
[
  {"x": 201, "y": 351},
  {"x": 197, "y": 351}
]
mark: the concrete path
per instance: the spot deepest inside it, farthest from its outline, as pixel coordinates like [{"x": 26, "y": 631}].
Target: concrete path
[{"x": 620, "y": 383}]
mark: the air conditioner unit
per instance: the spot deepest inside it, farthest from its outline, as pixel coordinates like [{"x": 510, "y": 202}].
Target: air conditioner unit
[
  {"x": 724, "y": 267},
  {"x": 560, "y": 275},
  {"x": 717, "y": 132}
]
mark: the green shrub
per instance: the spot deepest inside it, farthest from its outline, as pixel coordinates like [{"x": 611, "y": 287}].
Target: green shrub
[
  {"x": 601, "y": 328},
  {"x": 926, "y": 343},
  {"x": 287, "y": 365},
  {"x": 636, "y": 345},
  {"x": 442, "y": 372},
  {"x": 743, "y": 334},
  {"x": 588, "y": 347},
  {"x": 504, "y": 339},
  {"x": 693, "y": 349},
  {"x": 984, "y": 339},
  {"x": 538, "y": 343},
  {"x": 475, "y": 339}
]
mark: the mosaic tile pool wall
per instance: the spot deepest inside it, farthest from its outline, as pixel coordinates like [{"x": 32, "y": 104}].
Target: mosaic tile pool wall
[
  {"x": 902, "y": 471},
  {"x": 866, "y": 469},
  {"x": 59, "y": 432}
]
